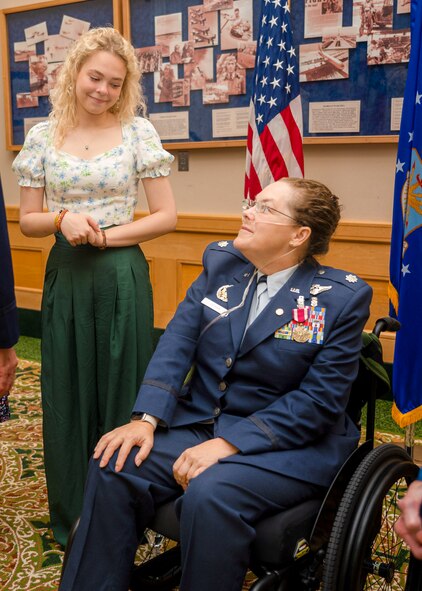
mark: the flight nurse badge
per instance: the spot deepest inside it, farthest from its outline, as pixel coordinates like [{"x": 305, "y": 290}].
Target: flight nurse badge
[{"x": 222, "y": 293}]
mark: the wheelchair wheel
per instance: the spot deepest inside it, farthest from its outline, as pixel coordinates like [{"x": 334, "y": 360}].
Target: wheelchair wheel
[{"x": 364, "y": 552}]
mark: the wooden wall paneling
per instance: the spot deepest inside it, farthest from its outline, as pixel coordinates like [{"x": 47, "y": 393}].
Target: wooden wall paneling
[
  {"x": 29, "y": 256},
  {"x": 28, "y": 267},
  {"x": 187, "y": 272}
]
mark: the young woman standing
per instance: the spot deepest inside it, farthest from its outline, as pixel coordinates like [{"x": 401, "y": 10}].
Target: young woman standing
[{"x": 88, "y": 159}]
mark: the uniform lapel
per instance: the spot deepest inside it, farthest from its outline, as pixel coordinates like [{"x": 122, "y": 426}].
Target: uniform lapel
[
  {"x": 239, "y": 317},
  {"x": 279, "y": 310}
]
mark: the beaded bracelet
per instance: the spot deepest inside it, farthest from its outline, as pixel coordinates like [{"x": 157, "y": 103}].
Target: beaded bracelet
[
  {"x": 104, "y": 244},
  {"x": 59, "y": 218}
]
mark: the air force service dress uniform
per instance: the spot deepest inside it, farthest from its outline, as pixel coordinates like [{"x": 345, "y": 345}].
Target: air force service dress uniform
[{"x": 277, "y": 391}]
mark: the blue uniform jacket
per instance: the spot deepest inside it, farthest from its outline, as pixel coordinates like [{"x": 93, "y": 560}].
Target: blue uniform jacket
[
  {"x": 281, "y": 402},
  {"x": 9, "y": 331}
]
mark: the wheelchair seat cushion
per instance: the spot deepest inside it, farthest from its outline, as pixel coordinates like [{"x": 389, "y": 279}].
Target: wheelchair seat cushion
[
  {"x": 165, "y": 522},
  {"x": 276, "y": 536}
]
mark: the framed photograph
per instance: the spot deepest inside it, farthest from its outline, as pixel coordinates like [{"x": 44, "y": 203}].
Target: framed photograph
[{"x": 35, "y": 41}]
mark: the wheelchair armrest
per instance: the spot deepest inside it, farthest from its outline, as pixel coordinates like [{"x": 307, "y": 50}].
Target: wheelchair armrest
[{"x": 386, "y": 324}]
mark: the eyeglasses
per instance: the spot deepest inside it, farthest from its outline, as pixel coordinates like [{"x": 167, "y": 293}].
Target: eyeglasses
[{"x": 261, "y": 207}]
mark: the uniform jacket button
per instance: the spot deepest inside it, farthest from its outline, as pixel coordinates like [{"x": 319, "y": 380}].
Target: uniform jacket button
[
  {"x": 217, "y": 411},
  {"x": 229, "y": 362},
  {"x": 222, "y": 386}
]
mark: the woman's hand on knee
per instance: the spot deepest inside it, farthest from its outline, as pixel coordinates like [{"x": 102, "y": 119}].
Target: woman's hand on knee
[{"x": 137, "y": 433}]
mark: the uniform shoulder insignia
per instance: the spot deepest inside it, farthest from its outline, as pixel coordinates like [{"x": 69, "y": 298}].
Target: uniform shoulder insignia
[
  {"x": 222, "y": 245},
  {"x": 226, "y": 247},
  {"x": 329, "y": 274}
]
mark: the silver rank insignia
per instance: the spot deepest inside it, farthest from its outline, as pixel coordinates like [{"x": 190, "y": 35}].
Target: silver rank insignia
[
  {"x": 351, "y": 278},
  {"x": 222, "y": 293},
  {"x": 223, "y": 243},
  {"x": 317, "y": 288}
]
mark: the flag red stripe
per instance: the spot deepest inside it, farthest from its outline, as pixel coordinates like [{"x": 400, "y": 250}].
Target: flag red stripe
[
  {"x": 249, "y": 141},
  {"x": 254, "y": 183},
  {"x": 295, "y": 136},
  {"x": 273, "y": 156},
  {"x": 249, "y": 144}
]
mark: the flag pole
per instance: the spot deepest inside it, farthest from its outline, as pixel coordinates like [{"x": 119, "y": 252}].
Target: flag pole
[{"x": 409, "y": 440}]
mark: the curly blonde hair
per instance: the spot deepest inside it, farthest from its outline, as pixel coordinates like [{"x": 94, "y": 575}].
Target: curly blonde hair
[{"x": 63, "y": 98}]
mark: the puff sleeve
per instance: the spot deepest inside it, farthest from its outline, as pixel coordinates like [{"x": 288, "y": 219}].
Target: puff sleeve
[
  {"x": 29, "y": 163},
  {"x": 151, "y": 158}
]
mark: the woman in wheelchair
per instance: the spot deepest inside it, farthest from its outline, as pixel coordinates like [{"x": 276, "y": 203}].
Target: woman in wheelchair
[{"x": 259, "y": 425}]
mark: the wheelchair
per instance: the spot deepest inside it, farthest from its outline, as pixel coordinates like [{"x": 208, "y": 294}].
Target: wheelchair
[{"x": 343, "y": 542}]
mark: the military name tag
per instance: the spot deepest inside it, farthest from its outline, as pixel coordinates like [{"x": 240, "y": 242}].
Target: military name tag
[{"x": 213, "y": 305}]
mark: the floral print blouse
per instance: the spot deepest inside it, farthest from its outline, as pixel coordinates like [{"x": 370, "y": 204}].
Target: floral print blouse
[{"x": 106, "y": 186}]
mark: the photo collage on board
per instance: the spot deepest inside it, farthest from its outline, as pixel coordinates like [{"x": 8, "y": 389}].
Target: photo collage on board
[
  {"x": 44, "y": 68},
  {"x": 372, "y": 24},
  {"x": 214, "y": 53}
]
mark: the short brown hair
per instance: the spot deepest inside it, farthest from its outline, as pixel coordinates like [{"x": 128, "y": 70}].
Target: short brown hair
[{"x": 319, "y": 209}]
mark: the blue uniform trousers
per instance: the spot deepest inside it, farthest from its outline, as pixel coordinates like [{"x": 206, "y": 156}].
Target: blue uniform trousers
[{"x": 217, "y": 513}]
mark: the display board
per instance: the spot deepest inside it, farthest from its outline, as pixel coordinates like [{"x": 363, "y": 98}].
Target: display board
[
  {"x": 34, "y": 40},
  {"x": 198, "y": 64},
  {"x": 353, "y": 66}
]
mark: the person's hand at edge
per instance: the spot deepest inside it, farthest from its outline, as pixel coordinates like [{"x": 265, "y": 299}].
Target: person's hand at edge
[
  {"x": 409, "y": 524},
  {"x": 8, "y": 365}
]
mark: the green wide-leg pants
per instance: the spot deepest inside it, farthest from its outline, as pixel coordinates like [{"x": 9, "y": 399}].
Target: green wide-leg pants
[{"x": 97, "y": 325}]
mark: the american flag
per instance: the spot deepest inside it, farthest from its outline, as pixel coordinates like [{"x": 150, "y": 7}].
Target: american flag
[{"x": 274, "y": 143}]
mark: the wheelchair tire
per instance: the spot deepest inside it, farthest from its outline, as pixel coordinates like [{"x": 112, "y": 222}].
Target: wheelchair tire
[{"x": 364, "y": 552}]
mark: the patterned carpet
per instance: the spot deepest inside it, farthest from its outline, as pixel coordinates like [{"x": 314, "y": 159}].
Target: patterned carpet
[{"x": 30, "y": 560}]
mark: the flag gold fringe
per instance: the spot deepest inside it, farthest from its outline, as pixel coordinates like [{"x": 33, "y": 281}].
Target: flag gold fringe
[
  {"x": 403, "y": 420},
  {"x": 393, "y": 296}
]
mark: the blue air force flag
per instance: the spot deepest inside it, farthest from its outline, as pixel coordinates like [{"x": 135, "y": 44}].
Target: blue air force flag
[{"x": 405, "y": 288}]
